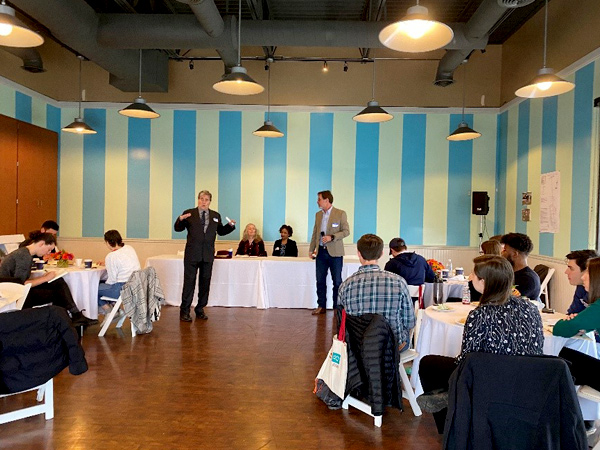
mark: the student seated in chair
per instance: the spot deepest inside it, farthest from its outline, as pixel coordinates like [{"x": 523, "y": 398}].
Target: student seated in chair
[
  {"x": 375, "y": 291},
  {"x": 120, "y": 263},
  {"x": 17, "y": 265}
]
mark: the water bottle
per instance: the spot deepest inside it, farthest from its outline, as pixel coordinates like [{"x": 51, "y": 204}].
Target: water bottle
[
  {"x": 449, "y": 267},
  {"x": 466, "y": 297}
]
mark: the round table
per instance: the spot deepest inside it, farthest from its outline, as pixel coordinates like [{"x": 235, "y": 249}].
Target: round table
[{"x": 441, "y": 334}]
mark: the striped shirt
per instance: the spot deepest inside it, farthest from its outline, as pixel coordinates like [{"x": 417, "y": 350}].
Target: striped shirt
[{"x": 374, "y": 291}]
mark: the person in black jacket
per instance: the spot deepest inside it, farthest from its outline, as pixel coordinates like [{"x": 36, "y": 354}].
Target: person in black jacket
[
  {"x": 410, "y": 266},
  {"x": 285, "y": 246},
  {"x": 203, "y": 225}
]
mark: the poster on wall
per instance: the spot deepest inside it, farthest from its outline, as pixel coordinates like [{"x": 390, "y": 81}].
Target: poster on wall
[{"x": 550, "y": 202}]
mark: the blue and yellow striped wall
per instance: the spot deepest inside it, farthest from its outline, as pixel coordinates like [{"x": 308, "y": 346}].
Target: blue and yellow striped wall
[
  {"x": 539, "y": 136},
  {"x": 398, "y": 178}
]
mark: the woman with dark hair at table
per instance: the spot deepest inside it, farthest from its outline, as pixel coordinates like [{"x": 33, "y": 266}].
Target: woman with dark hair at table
[
  {"x": 251, "y": 243},
  {"x": 491, "y": 247},
  {"x": 285, "y": 246},
  {"x": 44, "y": 290},
  {"x": 584, "y": 368},
  {"x": 120, "y": 263},
  {"x": 501, "y": 324}
]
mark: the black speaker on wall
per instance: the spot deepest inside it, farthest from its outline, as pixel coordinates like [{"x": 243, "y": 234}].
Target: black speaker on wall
[{"x": 481, "y": 203}]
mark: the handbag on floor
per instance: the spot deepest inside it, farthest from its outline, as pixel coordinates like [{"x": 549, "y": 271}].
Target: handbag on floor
[{"x": 334, "y": 370}]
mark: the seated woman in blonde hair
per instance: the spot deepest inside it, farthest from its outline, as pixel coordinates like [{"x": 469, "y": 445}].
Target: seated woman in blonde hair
[{"x": 251, "y": 243}]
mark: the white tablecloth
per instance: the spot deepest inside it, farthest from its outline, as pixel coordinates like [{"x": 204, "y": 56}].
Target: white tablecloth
[
  {"x": 83, "y": 284},
  {"x": 441, "y": 335},
  {"x": 271, "y": 282}
]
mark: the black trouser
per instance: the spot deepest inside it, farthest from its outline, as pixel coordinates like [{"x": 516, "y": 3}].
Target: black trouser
[
  {"x": 434, "y": 373},
  {"x": 57, "y": 293},
  {"x": 584, "y": 368},
  {"x": 190, "y": 270}
]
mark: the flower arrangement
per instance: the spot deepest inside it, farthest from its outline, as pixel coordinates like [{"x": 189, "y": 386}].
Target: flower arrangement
[
  {"x": 435, "y": 265},
  {"x": 62, "y": 258}
]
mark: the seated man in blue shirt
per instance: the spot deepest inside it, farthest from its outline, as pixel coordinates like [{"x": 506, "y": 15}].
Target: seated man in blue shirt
[
  {"x": 410, "y": 266},
  {"x": 374, "y": 291},
  {"x": 576, "y": 264}
]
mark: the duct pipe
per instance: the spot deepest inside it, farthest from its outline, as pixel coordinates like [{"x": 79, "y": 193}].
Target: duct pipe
[
  {"x": 180, "y": 31},
  {"x": 212, "y": 23},
  {"x": 477, "y": 28},
  {"x": 75, "y": 23},
  {"x": 32, "y": 61}
]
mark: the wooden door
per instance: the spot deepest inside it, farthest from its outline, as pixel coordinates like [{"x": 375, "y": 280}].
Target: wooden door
[
  {"x": 8, "y": 175},
  {"x": 37, "y": 176}
]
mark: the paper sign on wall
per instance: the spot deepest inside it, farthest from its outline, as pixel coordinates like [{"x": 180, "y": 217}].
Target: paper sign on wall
[{"x": 550, "y": 202}]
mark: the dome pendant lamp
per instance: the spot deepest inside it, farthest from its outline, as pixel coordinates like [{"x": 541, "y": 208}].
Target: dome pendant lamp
[
  {"x": 238, "y": 82},
  {"x": 373, "y": 113},
  {"x": 13, "y": 32},
  {"x": 268, "y": 130},
  {"x": 78, "y": 126},
  {"x": 416, "y": 32},
  {"x": 139, "y": 109},
  {"x": 545, "y": 83},
  {"x": 464, "y": 132}
]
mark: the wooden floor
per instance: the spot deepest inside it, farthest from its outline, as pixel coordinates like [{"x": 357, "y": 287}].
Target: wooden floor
[{"x": 241, "y": 380}]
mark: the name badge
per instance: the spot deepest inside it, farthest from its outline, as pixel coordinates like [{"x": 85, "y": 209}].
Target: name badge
[
  {"x": 276, "y": 248},
  {"x": 335, "y": 225},
  {"x": 215, "y": 219}
]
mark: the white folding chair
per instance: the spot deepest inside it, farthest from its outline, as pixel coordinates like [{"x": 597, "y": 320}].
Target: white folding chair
[
  {"x": 416, "y": 291},
  {"x": 544, "y": 286},
  {"x": 592, "y": 394},
  {"x": 45, "y": 392},
  {"x": 409, "y": 356},
  {"x": 111, "y": 315},
  {"x": 13, "y": 296}
]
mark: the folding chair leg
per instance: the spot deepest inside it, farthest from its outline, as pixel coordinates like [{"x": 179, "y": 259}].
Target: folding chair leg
[
  {"x": 361, "y": 406},
  {"x": 49, "y": 396},
  {"x": 408, "y": 392},
  {"x": 109, "y": 317}
]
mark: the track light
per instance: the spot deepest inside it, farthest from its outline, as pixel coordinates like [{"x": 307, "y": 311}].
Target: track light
[
  {"x": 192, "y": 64},
  {"x": 325, "y": 67},
  {"x": 345, "y": 66}
]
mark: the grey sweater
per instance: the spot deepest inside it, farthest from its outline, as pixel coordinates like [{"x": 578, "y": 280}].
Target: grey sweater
[{"x": 17, "y": 265}]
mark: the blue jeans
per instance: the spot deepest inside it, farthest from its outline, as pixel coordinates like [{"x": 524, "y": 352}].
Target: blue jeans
[
  {"x": 324, "y": 263},
  {"x": 108, "y": 290}
]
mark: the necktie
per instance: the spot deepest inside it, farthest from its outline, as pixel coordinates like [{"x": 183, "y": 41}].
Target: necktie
[{"x": 204, "y": 222}]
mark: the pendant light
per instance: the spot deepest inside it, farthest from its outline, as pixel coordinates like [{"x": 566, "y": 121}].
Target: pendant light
[
  {"x": 373, "y": 113},
  {"x": 268, "y": 130},
  {"x": 464, "y": 132},
  {"x": 78, "y": 126},
  {"x": 238, "y": 82},
  {"x": 546, "y": 83},
  {"x": 13, "y": 32},
  {"x": 139, "y": 109},
  {"x": 416, "y": 32}
]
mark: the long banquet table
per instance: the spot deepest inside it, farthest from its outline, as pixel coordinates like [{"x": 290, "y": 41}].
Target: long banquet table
[
  {"x": 270, "y": 282},
  {"x": 440, "y": 334}
]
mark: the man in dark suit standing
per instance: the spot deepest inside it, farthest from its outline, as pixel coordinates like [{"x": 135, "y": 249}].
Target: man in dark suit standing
[{"x": 203, "y": 225}]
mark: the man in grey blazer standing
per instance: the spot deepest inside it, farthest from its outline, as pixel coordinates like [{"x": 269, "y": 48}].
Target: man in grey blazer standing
[
  {"x": 327, "y": 246},
  {"x": 203, "y": 225}
]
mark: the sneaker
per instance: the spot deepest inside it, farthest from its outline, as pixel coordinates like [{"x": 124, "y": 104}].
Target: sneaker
[{"x": 433, "y": 402}]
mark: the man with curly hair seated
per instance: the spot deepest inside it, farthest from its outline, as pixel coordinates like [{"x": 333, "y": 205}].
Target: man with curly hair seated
[{"x": 516, "y": 247}]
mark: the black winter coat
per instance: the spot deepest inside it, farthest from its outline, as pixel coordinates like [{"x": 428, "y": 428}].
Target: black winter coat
[
  {"x": 513, "y": 402},
  {"x": 36, "y": 345},
  {"x": 373, "y": 362}
]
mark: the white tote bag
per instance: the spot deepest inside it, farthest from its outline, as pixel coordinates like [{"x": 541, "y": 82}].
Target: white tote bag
[{"x": 335, "y": 367}]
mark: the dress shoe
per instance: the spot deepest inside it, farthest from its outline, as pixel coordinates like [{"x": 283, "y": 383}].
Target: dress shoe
[
  {"x": 78, "y": 319},
  {"x": 201, "y": 315},
  {"x": 185, "y": 317},
  {"x": 318, "y": 311}
]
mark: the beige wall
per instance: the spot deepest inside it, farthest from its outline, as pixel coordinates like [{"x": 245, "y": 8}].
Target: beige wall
[{"x": 572, "y": 33}]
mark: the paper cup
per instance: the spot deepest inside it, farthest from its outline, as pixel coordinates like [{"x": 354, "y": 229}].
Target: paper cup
[
  {"x": 460, "y": 271},
  {"x": 87, "y": 263},
  {"x": 78, "y": 262},
  {"x": 39, "y": 265}
]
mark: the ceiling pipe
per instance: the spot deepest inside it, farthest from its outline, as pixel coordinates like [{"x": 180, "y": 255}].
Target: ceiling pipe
[
  {"x": 75, "y": 23},
  {"x": 212, "y": 23},
  {"x": 32, "y": 61},
  {"x": 181, "y": 31},
  {"x": 478, "y": 28}
]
